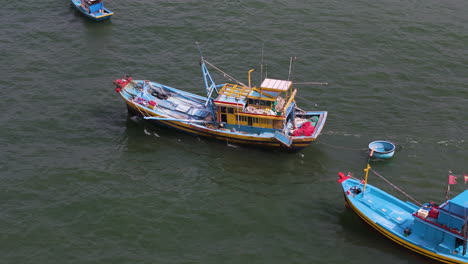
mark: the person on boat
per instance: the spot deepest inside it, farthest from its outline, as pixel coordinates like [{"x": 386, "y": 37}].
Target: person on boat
[{"x": 86, "y": 3}]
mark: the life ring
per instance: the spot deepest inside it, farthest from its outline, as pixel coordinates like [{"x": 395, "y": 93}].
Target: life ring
[{"x": 161, "y": 96}]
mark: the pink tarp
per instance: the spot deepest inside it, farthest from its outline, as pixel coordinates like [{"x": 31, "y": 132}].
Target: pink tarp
[{"x": 307, "y": 129}]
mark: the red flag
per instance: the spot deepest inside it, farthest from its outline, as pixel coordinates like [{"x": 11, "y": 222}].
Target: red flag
[
  {"x": 466, "y": 178},
  {"x": 452, "y": 179}
]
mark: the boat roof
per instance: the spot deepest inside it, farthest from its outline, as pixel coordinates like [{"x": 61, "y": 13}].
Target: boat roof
[
  {"x": 458, "y": 205},
  {"x": 263, "y": 95},
  {"x": 461, "y": 199},
  {"x": 232, "y": 94},
  {"x": 275, "y": 85}
]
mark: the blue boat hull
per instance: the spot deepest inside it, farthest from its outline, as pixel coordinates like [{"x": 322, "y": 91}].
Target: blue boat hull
[
  {"x": 393, "y": 218},
  {"x": 94, "y": 16}
]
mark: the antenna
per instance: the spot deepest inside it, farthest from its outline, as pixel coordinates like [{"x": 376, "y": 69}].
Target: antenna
[
  {"x": 291, "y": 67},
  {"x": 199, "y": 50},
  {"x": 261, "y": 64}
]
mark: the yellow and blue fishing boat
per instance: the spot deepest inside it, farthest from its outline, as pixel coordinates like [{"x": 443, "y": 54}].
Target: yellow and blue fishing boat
[
  {"x": 437, "y": 232},
  {"x": 93, "y": 9},
  {"x": 265, "y": 116}
]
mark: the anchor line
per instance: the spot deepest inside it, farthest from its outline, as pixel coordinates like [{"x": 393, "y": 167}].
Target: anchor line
[
  {"x": 338, "y": 147},
  {"x": 306, "y": 100},
  {"x": 396, "y": 187}
]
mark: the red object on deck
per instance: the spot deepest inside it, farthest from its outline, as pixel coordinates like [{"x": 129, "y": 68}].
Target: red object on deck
[
  {"x": 307, "y": 129},
  {"x": 120, "y": 83},
  {"x": 434, "y": 212},
  {"x": 342, "y": 178}
]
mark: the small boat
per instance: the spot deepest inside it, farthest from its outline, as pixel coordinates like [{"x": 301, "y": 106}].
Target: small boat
[
  {"x": 93, "y": 9},
  {"x": 382, "y": 149},
  {"x": 437, "y": 232},
  {"x": 265, "y": 116}
]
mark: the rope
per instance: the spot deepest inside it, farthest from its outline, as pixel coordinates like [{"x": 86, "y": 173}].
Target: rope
[
  {"x": 394, "y": 186},
  {"x": 225, "y": 74},
  {"x": 338, "y": 147}
]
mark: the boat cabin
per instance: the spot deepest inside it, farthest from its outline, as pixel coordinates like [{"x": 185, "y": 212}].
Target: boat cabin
[
  {"x": 447, "y": 225},
  {"x": 92, "y": 6},
  {"x": 268, "y": 107},
  {"x": 454, "y": 213}
]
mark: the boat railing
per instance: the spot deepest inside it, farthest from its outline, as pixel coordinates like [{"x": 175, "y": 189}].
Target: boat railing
[
  {"x": 454, "y": 231},
  {"x": 453, "y": 214}
]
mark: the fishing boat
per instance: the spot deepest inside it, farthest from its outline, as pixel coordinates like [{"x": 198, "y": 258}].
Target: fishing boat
[
  {"x": 438, "y": 232},
  {"x": 264, "y": 116},
  {"x": 93, "y": 9}
]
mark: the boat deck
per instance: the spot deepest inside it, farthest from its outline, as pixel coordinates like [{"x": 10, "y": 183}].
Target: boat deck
[{"x": 384, "y": 210}]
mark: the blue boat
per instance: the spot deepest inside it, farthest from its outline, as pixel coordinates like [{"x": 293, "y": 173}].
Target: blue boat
[
  {"x": 265, "y": 116},
  {"x": 93, "y": 9},
  {"x": 437, "y": 232},
  {"x": 382, "y": 149}
]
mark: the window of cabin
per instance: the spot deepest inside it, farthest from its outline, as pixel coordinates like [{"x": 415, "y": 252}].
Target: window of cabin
[{"x": 230, "y": 110}]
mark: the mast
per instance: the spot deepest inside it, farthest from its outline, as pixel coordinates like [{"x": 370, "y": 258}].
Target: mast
[
  {"x": 464, "y": 236},
  {"x": 366, "y": 170},
  {"x": 291, "y": 67},
  {"x": 465, "y": 229},
  {"x": 209, "y": 83},
  {"x": 261, "y": 65}
]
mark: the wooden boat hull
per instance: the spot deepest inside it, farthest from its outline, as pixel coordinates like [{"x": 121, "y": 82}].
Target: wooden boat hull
[
  {"x": 226, "y": 136},
  {"x": 95, "y": 17},
  {"x": 359, "y": 204}
]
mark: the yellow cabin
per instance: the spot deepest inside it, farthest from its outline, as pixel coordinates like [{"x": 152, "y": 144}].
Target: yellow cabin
[{"x": 264, "y": 107}]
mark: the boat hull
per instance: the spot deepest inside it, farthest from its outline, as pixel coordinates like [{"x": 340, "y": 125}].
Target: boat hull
[
  {"x": 256, "y": 141},
  {"x": 379, "y": 225},
  {"x": 95, "y": 17}
]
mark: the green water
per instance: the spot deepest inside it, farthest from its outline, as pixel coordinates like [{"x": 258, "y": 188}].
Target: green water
[{"x": 83, "y": 183}]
